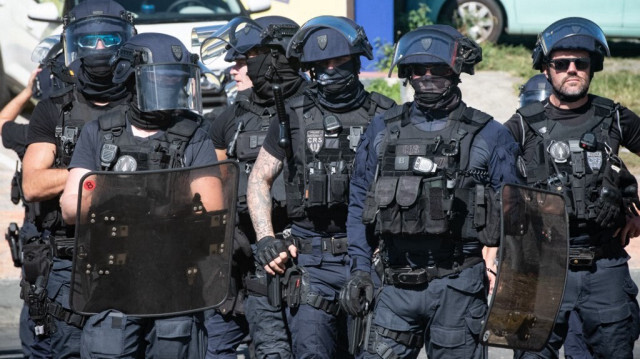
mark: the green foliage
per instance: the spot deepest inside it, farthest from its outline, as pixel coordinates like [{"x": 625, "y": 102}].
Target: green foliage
[
  {"x": 620, "y": 86},
  {"x": 515, "y": 60},
  {"x": 381, "y": 86},
  {"x": 418, "y": 17},
  {"x": 384, "y": 52}
]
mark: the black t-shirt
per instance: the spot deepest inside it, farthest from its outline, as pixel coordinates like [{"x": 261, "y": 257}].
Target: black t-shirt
[
  {"x": 224, "y": 127},
  {"x": 627, "y": 120},
  {"x": 14, "y": 137}
]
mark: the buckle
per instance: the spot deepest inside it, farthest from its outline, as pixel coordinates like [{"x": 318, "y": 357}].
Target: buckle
[
  {"x": 334, "y": 245},
  {"x": 581, "y": 257}
]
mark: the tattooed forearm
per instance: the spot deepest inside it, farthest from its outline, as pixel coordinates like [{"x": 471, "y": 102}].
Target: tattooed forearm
[{"x": 264, "y": 171}]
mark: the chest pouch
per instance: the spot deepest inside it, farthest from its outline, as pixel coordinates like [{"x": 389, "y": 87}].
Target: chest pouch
[
  {"x": 249, "y": 144},
  {"x": 316, "y": 192},
  {"x": 389, "y": 216},
  {"x": 437, "y": 203},
  {"x": 338, "y": 183}
]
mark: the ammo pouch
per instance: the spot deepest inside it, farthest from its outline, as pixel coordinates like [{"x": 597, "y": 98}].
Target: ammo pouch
[
  {"x": 37, "y": 261},
  {"x": 292, "y": 286},
  {"x": 317, "y": 189},
  {"x": 487, "y": 214},
  {"x": 411, "y": 205},
  {"x": 338, "y": 188},
  {"x": 249, "y": 144}
]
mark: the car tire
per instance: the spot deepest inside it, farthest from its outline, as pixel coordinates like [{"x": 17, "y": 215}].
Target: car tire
[
  {"x": 5, "y": 95},
  {"x": 480, "y": 20}
]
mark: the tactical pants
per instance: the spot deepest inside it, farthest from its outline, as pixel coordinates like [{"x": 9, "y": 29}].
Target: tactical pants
[
  {"x": 604, "y": 297},
  {"x": 447, "y": 311},
  {"x": 112, "y": 334},
  {"x": 224, "y": 334},
  {"x": 268, "y": 326},
  {"x": 316, "y": 333},
  {"x": 65, "y": 342},
  {"x": 574, "y": 345}
]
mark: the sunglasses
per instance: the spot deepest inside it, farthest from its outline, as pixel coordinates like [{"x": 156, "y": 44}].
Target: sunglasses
[
  {"x": 437, "y": 70},
  {"x": 582, "y": 63},
  {"x": 91, "y": 41}
]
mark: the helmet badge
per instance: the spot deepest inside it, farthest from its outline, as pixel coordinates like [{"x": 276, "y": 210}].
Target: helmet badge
[
  {"x": 322, "y": 42},
  {"x": 426, "y": 43},
  {"x": 177, "y": 52}
]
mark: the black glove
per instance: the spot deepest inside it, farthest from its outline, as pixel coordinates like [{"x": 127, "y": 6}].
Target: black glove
[
  {"x": 609, "y": 207},
  {"x": 268, "y": 249},
  {"x": 357, "y": 294}
]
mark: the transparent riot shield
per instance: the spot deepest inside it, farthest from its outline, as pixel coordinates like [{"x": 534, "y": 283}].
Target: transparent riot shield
[
  {"x": 154, "y": 242},
  {"x": 532, "y": 269}
]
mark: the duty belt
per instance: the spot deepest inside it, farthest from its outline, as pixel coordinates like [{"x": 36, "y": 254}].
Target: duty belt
[
  {"x": 62, "y": 247},
  {"x": 410, "y": 277},
  {"x": 331, "y": 245},
  {"x": 584, "y": 257}
]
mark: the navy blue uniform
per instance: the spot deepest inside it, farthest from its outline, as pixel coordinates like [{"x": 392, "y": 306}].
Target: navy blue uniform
[{"x": 446, "y": 313}]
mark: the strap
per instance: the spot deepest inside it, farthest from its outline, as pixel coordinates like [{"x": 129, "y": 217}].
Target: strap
[
  {"x": 409, "y": 339},
  {"x": 317, "y": 301},
  {"x": 413, "y": 277},
  {"x": 331, "y": 245},
  {"x": 65, "y": 315}
]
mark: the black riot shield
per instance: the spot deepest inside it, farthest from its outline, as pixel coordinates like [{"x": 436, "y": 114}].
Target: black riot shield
[
  {"x": 532, "y": 269},
  {"x": 153, "y": 243}
]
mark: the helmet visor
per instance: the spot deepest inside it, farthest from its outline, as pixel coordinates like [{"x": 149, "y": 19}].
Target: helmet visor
[
  {"x": 168, "y": 87},
  {"x": 95, "y": 33},
  {"x": 241, "y": 34},
  {"x": 48, "y": 48},
  {"x": 354, "y": 35},
  {"x": 423, "y": 46},
  {"x": 571, "y": 27},
  {"x": 528, "y": 97}
]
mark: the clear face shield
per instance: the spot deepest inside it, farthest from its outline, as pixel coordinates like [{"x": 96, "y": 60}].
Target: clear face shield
[
  {"x": 426, "y": 46},
  {"x": 354, "y": 35},
  {"x": 168, "y": 87},
  {"x": 570, "y": 27},
  {"x": 237, "y": 34},
  {"x": 95, "y": 34},
  {"x": 528, "y": 97}
]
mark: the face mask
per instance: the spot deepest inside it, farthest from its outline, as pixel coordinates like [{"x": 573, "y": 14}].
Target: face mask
[
  {"x": 341, "y": 78},
  {"x": 435, "y": 92},
  {"x": 264, "y": 70}
]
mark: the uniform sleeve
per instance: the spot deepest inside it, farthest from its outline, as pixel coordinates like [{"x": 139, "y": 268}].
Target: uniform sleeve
[
  {"x": 200, "y": 151},
  {"x": 364, "y": 168},
  {"x": 219, "y": 130},
  {"x": 630, "y": 124},
  {"x": 85, "y": 153},
  {"x": 514, "y": 125},
  {"x": 495, "y": 140},
  {"x": 42, "y": 125},
  {"x": 14, "y": 137}
]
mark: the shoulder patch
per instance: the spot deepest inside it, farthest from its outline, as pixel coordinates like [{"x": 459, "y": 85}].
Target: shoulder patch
[
  {"x": 184, "y": 128},
  {"x": 112, "y": 119}
]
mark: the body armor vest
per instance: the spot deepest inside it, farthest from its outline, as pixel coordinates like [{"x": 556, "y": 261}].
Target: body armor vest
[
  {"x": 570, "y": 159},
  {"x": 319, "y": 179},
  {"x": 164, "y": 152},
  {"x": 423, "y": 185},
  {"x": 252, "y": 124}
]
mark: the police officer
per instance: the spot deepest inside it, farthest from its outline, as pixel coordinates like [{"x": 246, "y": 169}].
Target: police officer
[
  {"x": 92, "y": 32},
  {"x": 156, "y": 130},
  {"x": 570, "y": 143},
  {"x": 417, "y": 169},
  {"x": 315, "y": 148},
  {"x": 238, "y": 133}
]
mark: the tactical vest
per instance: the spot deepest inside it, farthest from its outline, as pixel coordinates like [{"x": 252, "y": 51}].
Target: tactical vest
[
  {"x": 319, "y": 177},
  {"x": 252, "y": 124},
  {"x": 581, "y": 156},
  {"x": 164, "y": 152},
  {"x": 424, "y": 186}
]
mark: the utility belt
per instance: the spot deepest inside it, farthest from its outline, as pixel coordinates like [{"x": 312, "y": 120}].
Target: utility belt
[
  {"x": 331, "y": 245},
  {"x": 412, "y": 277},
  {"x": 584, "y": 258},
  {"x": 62, "y": 247}
]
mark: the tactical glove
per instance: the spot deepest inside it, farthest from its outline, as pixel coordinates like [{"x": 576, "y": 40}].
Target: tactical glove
[
  {"x": 609, "y": 207},
  {"x": 357, "y": 294},
  {"x": 268, "y": 249}
]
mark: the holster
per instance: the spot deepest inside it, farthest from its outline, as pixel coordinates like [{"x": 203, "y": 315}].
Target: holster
[
  {"x": 15, "y": 246},
  {"x": 292, "y": 286}
]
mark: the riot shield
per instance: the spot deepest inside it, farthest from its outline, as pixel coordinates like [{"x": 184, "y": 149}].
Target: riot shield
[
  {"x": 532, "y": 269},
  {"x": 154, "y": 243}
]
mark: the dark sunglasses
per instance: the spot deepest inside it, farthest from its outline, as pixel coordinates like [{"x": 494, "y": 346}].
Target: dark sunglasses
[
  {"x": 582, "y": 63},
  {"x": 91, "y": 41},
  {"x": 437, "y": 70}
]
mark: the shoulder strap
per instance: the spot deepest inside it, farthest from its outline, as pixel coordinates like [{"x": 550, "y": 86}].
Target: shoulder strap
[
  {"x": 379, "y": 103},
  {"x": 471, "y": 122},
  {"x": 178, "y": 136}
]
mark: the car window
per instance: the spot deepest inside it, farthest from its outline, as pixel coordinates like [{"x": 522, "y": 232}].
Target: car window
[{"x": 164, "y": 11}]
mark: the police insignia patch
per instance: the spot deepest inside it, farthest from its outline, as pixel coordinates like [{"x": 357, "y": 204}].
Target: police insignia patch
[
  {"x": 177, "y": 52},
  {"x": 594, "y": 159},
  {"x": 315, "y": 140},
  {"x": 322, "y": 42},
  {"x": 426, "y": 43}
]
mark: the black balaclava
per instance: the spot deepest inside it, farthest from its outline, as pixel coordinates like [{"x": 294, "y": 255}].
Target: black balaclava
[
  {"x": 95, "y": 78},
  {"x": 340, "y": 88},
  {"x": 153, "y": 120},
  {"x": 436, "y": 92},
  {"x": 268, "y": 68}
]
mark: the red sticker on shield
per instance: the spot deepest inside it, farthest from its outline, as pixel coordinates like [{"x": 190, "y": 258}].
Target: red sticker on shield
[{"x": 89, "y": 185}]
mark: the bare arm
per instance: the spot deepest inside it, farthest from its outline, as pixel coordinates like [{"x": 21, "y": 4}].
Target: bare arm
[
  {"x": 264, "y": 172},
  {"x": 15, "y": 106},
  {"x": 69, "y": 198},
  {"x": 40, "y": 181},
  {"x": 210, "y": 190}
]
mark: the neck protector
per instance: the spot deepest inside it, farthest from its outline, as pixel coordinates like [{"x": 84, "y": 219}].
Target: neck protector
[
  {"x": 95, "y": 79},
  {"x": 154, "y": 120},
  {"x": 436, "y": 92},
  {"x": 339, "y": 88},
  {"x": 269, "y": 68}
]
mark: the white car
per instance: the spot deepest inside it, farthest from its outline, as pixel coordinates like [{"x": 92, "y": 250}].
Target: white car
[{"x": 26, "y": 22}]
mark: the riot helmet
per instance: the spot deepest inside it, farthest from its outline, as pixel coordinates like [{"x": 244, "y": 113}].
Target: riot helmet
[
  {"x": 571, "y": 33},
  {"x": 537, "y": 88},
  {"x": 167, "y": 76},
  {"x": 54, "y": 76},
  {"x": 326, "y": 37},
  {"x": 435, "y": 44},
  {"x": 95, "y": 29},
  {"x": 242, "y": 34}
]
